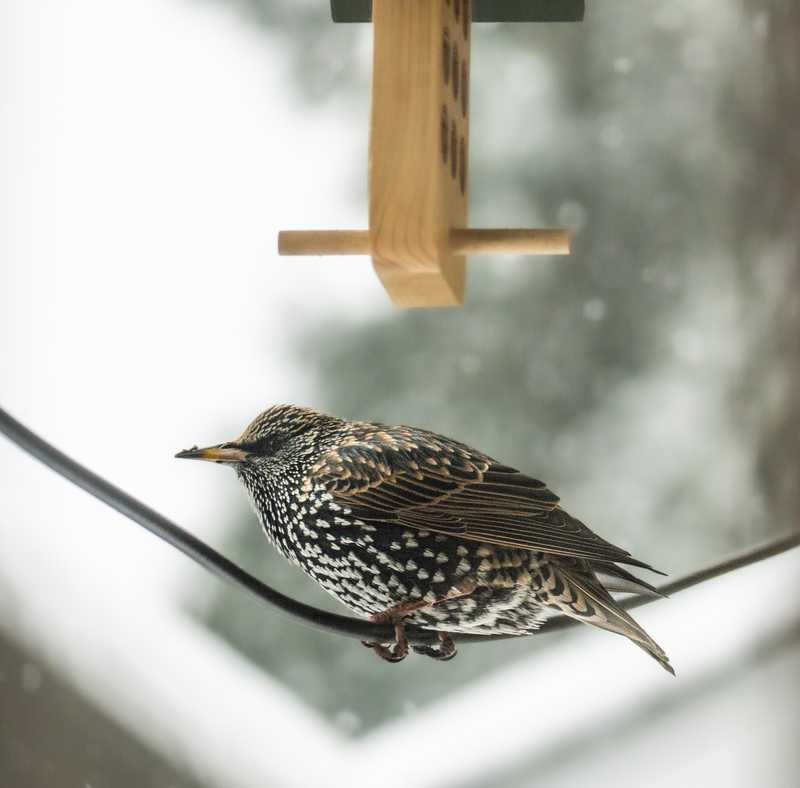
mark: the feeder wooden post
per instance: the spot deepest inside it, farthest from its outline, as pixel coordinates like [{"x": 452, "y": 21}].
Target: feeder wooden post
[
  {"x": 418, "y": 232},
  {"x": 418, "y": 148}
]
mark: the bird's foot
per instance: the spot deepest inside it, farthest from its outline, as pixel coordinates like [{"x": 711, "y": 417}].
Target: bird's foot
[
  {"x": 395, "y": 615},
  {"x": 396, "y": 652},
  {"x": 444, "y": 651}
]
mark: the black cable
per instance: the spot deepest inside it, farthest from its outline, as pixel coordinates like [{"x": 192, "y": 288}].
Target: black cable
[{"x": 360, "y": 629}]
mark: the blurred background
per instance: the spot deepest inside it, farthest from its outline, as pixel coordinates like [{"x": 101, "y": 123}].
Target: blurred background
[{"x": 150, "y": 153}]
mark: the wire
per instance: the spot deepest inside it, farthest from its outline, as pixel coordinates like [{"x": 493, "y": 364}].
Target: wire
[{"x": 217, "y": 564}]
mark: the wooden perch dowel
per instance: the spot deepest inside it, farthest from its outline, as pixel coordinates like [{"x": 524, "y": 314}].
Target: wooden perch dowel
[
  {"x": 509, "y": 241},
  {"x": 325, "y": 242},
  {"x": 465, "y": 241}
]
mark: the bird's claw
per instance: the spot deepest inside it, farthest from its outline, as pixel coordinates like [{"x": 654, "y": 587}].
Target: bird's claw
[
  {"x": 443, "y": 652},
  {"x": 392, "y": 653},
  {"x": 399, "y": 649}
]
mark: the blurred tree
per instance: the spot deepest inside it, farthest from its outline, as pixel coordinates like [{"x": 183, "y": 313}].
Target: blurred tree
[{"x": 762, "y": 112}]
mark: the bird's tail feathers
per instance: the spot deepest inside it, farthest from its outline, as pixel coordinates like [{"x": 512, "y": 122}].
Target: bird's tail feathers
[
  {"x": 592, "y": 604},
  {"x": 615, "y": 578}
]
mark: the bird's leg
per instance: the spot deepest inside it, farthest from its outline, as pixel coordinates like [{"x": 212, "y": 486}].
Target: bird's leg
[
  {"x": 396, "y": 652},
  {"x": 397, "y": 614},
  {"x": 446, "y": 649}
]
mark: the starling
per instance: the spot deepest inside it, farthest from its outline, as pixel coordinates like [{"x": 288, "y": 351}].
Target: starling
[{"x": 405, "y": 526}]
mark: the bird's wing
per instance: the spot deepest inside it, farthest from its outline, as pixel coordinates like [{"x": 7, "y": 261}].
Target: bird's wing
[{"x": 416, "y": 479}]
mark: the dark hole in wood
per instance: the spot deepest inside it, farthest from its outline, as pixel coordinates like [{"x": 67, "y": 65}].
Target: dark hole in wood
[
  {"x": 465, "y": 19},
  {"x": 457, "y": 8},
  {"x": 444, "y": 133},
  {"x": 464, "y": 88},
  {"x": 453, "y": 150},
  {"x": 462, "y": 165},
  {"x": 455, "y": 72},
  {"x": 446, "y": 55}
]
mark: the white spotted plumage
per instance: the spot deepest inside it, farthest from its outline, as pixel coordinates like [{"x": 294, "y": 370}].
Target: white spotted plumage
[{"x": 388, "y": 518}]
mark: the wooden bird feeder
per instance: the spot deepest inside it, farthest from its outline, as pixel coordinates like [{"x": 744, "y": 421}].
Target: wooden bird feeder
[{"x": 418, "y": 235}]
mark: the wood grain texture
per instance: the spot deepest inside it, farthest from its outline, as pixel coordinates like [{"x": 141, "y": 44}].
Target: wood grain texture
[
  {"x": 418, "y": 130},
  {"x": 511, "y": 240},
  {"x": 323, "y": 242}
]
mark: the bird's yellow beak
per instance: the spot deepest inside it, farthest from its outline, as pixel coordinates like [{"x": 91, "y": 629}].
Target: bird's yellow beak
[{"x": 222, "y": 453}]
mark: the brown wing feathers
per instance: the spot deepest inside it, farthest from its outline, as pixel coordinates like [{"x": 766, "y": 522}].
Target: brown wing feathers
[{"x": 420, "y": 480}]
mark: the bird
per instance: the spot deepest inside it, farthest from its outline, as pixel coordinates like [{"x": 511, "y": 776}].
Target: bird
[{"x": 408, "y": 527}]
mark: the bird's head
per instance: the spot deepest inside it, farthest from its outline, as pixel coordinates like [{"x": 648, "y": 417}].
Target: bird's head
[{"x": 279, "y": 439}]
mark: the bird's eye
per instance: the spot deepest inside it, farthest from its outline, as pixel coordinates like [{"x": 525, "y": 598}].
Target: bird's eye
[{"x": 265, "y": 446}]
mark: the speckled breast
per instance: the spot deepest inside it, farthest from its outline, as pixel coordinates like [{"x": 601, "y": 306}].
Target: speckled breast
[{"x": 372, "y": 567}]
